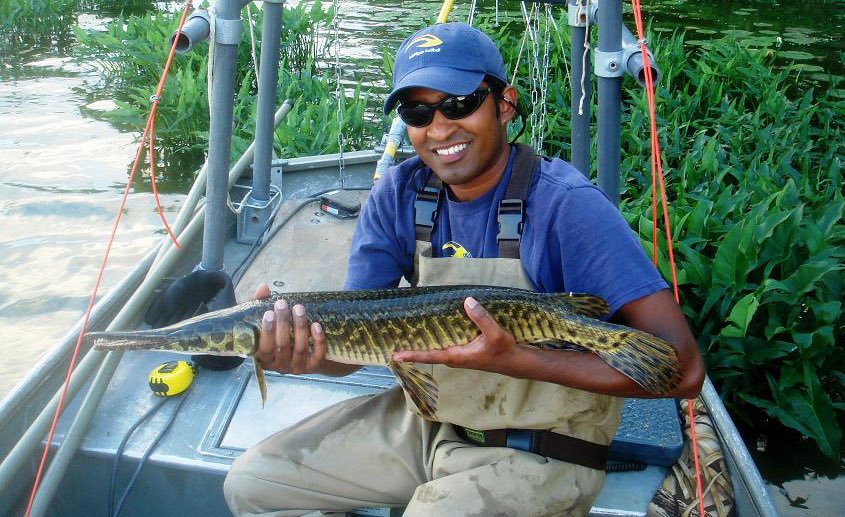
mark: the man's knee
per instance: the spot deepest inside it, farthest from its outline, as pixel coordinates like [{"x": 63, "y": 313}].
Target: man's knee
[
  {"x": 249, "y": 490},
  {"x": 236, "y": 487}
]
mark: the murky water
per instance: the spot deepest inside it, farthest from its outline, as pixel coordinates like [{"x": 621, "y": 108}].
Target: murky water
[{"x": 62, "y": 173}]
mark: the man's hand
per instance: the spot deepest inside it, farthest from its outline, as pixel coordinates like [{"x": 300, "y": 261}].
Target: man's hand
[
  {"x": 275, "y": 349},
  {"x": 492, "y": 351}
]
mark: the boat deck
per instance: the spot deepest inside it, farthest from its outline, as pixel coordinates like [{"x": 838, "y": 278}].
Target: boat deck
[{"x": 222, "y": 415}]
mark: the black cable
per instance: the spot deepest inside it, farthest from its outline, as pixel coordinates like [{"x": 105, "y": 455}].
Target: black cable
[
  {"x": 122, "y": 445},
  {"x": 250, "y": 255},
  {"x": 266, "y": 237},
  {"x": 146, "y": 455}
]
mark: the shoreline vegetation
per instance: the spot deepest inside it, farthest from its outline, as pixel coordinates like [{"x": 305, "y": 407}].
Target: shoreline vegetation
[{"x": 752, "y": 154}]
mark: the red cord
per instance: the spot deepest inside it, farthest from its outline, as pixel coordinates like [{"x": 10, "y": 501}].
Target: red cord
[
  {"x": 153, "y": 181},
  {"x": 657, "y": 172},
  {"x": 148, "y": 130}
]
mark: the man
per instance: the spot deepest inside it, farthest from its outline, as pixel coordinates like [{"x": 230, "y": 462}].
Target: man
[{"x": 452, "y": 91}]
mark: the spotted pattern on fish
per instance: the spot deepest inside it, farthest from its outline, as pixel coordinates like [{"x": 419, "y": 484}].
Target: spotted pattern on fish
[{"x": 367, "y": 327}]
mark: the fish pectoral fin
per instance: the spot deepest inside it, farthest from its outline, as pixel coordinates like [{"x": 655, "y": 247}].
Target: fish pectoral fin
[
  {"x": 585, "y": 304},
  {"x": 259, "y": 378},
  {"x": 419, "y": 385}
]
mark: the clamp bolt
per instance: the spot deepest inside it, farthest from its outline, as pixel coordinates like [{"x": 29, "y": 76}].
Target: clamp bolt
[{"x": 613, "y": 65}]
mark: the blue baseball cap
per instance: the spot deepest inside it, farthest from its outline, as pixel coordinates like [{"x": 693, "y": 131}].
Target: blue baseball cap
[{"x": 452, "y": 58}]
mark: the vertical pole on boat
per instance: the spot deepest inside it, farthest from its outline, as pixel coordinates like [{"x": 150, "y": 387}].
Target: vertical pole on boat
[
  {"x": 268, "y": 79},
  {"x": 227, "y": 35},
  {"x": 609, "y": 69},
  {"x": 579, "y": 17},
  {"x": 258, "y": 205}
]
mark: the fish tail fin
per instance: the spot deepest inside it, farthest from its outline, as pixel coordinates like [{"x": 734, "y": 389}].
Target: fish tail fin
[
  {"x": 420, "y": 387},
  {"x": 584, "y": 304},
  {"x": 647, "y": 360},
  {"x": 128, "y": 340}
]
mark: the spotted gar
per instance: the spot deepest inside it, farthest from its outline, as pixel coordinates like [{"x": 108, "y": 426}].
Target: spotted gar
[{"x": 367, "y": 327}]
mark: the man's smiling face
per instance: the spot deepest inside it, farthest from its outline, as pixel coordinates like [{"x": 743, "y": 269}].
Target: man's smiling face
[{"x": 467, "y": 154}]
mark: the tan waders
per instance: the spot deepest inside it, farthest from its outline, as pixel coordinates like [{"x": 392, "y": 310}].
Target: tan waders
[{"x": 373, "y": 452}]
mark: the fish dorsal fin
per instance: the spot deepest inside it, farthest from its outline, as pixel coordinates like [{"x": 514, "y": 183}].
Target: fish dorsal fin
[
  {"x": 584, "y": 304},
  {"x": 419, "y": 385}
]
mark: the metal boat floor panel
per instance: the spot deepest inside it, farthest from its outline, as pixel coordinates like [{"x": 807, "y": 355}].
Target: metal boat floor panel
[
  {"x": 291, "y": 399},
  {"x": 309, "y": 254}
]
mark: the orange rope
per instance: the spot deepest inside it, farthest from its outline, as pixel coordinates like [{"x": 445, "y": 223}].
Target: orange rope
[
  {"x": 657, "y": 172},
  {"x": 148, "y": 130},
  {"x": 153, "y": 182}
]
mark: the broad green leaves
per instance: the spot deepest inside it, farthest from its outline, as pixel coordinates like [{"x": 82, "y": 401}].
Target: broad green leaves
[
  {"x": 754, "y": 175},
  {"x": 754, "y": 180}
]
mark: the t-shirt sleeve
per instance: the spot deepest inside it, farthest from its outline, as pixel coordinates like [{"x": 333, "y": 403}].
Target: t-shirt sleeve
[
  {"x": 377, "y": 256},
  {"x": 601, "y": 255}
]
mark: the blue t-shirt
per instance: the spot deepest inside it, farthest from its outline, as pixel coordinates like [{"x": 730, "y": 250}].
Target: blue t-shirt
[{"x": 574, "y": 239}]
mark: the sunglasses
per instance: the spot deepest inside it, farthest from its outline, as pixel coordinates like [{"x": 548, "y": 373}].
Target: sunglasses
[{"x": 454, "y": 107}]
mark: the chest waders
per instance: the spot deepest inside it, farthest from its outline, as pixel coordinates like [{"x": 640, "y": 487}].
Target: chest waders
[
  {"x": 491, "y": 409},
  {"x": 371, "y": 451}
]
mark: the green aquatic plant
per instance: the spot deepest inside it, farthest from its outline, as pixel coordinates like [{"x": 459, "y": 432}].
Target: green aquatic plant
[
  {"x": 753, "y": 161},
  {"x": 130, "y": 56},
  {"x": 31, "y": 27}
]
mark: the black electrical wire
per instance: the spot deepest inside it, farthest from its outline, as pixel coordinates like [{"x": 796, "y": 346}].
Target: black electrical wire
[
  {"x": 251, "y": 254},
  {"x": 237, "y": 273},
  {"x": 146, "y": 455}
]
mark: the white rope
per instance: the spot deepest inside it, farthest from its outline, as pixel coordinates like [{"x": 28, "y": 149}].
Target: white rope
[
  {"x": 252, "y": 40},
  {"x": 212, "y": 48},
  {"x": 586, "y": 5},
  {"x": 471, "y": 14},
  {"x": 562, "y": 55},
  {"x": 339, "y": 94},
  {"x": 519, "y": 56},
  {"x": 544, "y": 79}
]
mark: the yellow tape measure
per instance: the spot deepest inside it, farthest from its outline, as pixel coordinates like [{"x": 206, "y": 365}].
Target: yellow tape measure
[{"x": 172, "y": 378}]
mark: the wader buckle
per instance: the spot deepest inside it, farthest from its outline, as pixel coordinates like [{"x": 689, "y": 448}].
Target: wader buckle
[
  {"x": 511, "y": 218},
  {"x": 426, "y": 206},
  {"x": 522, "y": 439}
]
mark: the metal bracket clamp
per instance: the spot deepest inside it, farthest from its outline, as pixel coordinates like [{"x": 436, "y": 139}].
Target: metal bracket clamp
[
  {"x": 608, "y": 64},
  {"x": 274, "y": 1},
  {"x": 579, "y": 19},
  {"x": 227, "y": 32},
  {"x": 253, "y": 215}
]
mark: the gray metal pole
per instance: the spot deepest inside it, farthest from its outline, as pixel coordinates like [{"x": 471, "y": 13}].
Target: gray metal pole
[
  {"x": 227, "y": 35},
  {"x": 580, "y": 112},
  {"x": 609, "y": 69},
  {"x": 268, "y": 79}
]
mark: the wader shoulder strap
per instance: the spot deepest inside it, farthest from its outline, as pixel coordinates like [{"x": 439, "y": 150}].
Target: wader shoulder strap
[
  {"x": 511, "y": 216},
  {"x": 511, "y": 212},
  {"x": 426, "y": 207}
]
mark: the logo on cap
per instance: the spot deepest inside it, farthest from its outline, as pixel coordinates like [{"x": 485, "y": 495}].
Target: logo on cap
[{"x": 425, "y": 41}]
